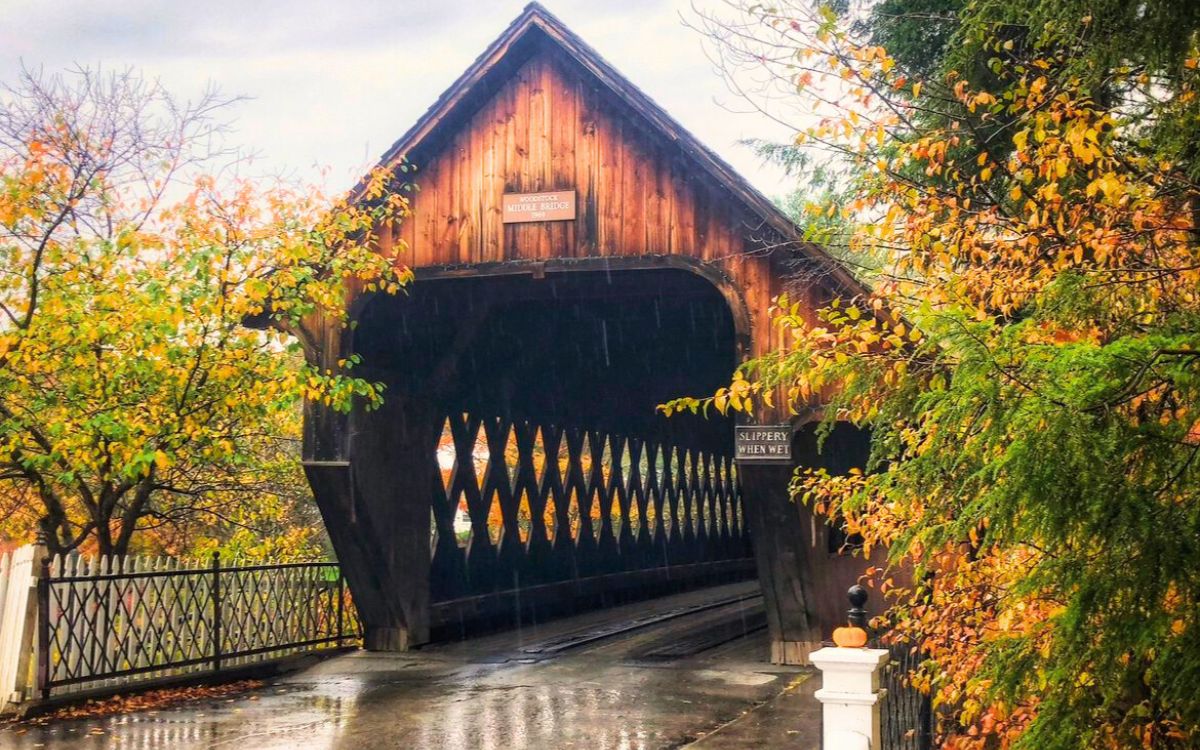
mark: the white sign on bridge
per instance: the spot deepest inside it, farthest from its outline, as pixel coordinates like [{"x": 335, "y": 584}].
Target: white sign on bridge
[{"x": 763, "y": 444}]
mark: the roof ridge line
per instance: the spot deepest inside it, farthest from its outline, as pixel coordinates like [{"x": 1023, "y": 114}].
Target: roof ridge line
[{"x": 536, "y": 15}]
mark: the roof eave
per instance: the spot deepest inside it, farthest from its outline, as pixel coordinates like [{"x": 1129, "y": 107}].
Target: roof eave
[{"x": 535, "y": 16}]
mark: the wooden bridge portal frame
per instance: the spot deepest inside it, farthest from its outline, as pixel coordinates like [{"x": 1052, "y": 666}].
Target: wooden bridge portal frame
[{"x": 550, "y": 343}]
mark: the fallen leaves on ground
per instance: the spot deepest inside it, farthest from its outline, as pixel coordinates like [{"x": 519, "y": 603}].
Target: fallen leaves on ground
[{"x": 142, "y": 701}]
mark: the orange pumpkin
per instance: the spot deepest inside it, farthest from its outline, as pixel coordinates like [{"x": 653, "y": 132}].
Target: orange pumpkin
[{"x": 850, "y": 637}]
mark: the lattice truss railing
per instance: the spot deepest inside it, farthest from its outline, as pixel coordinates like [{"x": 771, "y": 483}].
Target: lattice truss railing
[
  {"x": 109, "y": 622},
  {"x": 518, "y": 503}
]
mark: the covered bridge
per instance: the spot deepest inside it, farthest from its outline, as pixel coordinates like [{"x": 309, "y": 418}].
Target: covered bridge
[{"x": 580, "y": 258}]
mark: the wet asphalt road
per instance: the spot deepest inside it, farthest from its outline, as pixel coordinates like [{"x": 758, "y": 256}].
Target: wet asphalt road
[{"x": 671, "y": 684}]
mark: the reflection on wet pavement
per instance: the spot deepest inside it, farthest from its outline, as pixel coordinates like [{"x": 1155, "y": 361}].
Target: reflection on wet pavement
[{"x": 487, "y": 694}]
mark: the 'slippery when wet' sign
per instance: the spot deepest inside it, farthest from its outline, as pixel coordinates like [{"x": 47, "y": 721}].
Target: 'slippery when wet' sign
[
  {"x": 763, "y": 444},
  {"x": 556, "y": 206}
]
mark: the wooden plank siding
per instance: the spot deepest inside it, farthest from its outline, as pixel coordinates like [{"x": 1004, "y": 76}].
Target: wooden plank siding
[
  {"x": 539, "y": 111},
  {"x": 551, "y": 126}
]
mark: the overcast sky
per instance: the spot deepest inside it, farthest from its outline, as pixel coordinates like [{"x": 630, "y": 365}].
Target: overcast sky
[{"x": 333, "y": 83}]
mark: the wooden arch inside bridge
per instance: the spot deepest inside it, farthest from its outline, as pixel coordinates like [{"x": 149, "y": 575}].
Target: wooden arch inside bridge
[{"x": 518, "y": 467}]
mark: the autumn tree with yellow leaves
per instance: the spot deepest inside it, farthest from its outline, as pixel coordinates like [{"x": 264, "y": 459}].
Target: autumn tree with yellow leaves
[
  {"x": 1028, "y": 360},
  {"x": 134, "y": 404}
]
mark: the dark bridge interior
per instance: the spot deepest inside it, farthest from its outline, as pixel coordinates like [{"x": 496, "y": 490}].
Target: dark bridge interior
[
  {"x": 594, "y": 348},
  {"x": 552, "y": 483}
]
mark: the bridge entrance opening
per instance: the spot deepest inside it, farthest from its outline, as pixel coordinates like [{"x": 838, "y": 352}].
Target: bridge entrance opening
[{"x": 551, "y": 481}]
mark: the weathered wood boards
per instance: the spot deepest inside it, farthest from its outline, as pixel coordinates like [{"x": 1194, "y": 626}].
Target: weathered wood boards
[
  {"x": 547, "y": 129},
  {"x": 541, "y": 112}
]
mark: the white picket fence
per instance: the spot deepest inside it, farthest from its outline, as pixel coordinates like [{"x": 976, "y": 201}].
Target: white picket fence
[{"x": 113, "y": 622}]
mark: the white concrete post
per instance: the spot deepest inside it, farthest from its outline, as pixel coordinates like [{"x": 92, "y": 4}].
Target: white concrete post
[
  {"x": 850, "y": 696},
  {"x": 18, "y": 622}
]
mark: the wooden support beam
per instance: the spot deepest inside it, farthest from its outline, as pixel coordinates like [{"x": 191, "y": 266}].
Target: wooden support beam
[
  {"x": 394, "y": 466},
  {"x": 375, "y": 501},
  {"x": 781, "y": 549},
  {"x": 356, "y": 544}
]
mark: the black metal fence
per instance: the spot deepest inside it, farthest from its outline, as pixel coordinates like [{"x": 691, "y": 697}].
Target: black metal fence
[
  {"x": 906, "y": 713},
  {"x": 109, "y": 623}
]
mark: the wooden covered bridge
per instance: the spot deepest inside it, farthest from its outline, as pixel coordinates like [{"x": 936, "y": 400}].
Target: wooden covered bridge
[{"x": 579, "y": 258}]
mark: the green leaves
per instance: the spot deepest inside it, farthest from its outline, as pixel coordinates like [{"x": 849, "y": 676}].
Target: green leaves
[
  {"x": 1028, "y": 367},
  {"x": 133, "y": 397}
]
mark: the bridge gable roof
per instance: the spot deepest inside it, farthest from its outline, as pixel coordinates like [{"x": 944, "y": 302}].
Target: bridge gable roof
[{"x": 534, "y": 31}]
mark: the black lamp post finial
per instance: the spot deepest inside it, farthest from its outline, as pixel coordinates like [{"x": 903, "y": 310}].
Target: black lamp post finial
[{"x": 857, "y": 613}]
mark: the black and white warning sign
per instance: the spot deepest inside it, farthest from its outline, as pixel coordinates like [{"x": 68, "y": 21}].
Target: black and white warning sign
[{"x": 763, "y": 444}]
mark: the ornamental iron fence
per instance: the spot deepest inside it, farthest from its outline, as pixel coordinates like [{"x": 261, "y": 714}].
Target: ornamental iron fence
[
  {"x": 110, "y": 622},
  {"x": 905, "y": 713}
]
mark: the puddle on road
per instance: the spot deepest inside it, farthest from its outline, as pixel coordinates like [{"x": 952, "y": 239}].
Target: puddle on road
[
  {"x": 747, "y": 679},
  {"x": 590, "y": 706}
]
